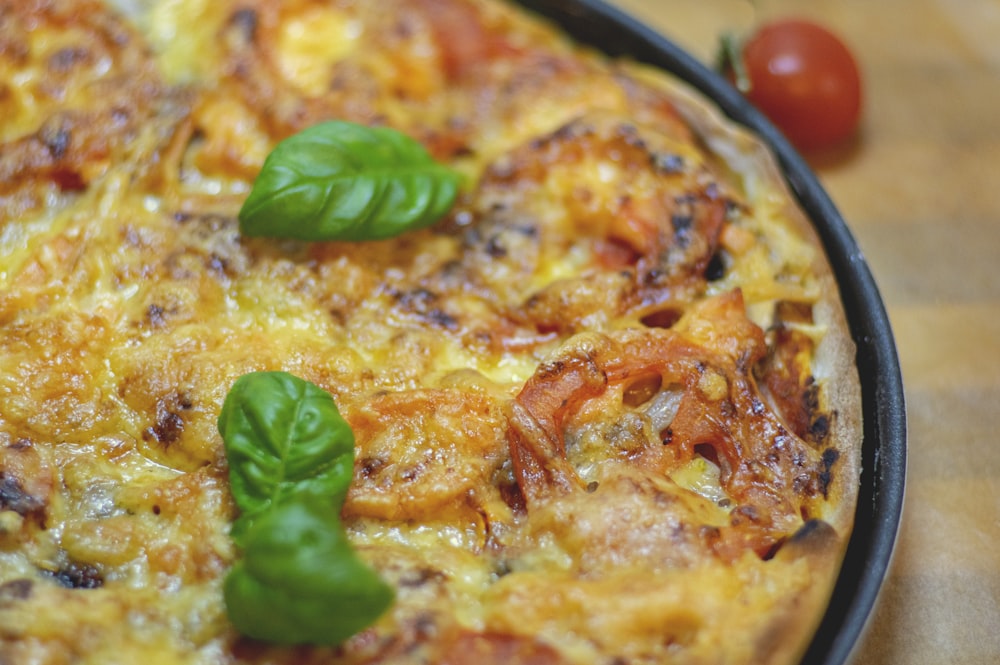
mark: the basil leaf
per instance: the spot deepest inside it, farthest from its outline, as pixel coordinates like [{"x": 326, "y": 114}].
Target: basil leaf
[
  {"x": 291, "y": 458},
  {"x": 283, "y": 436},
  {"x": 300, "y": 582},
  {"x": 343, "y": 181}
]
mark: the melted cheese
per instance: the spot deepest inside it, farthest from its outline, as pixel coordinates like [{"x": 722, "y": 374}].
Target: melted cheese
[
  {"x": 175, "y": 28},
  {"x": 575, "y": 264}
]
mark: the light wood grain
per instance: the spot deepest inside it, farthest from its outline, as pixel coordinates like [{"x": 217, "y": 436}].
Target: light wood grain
[{"x": 921, "y": 192}]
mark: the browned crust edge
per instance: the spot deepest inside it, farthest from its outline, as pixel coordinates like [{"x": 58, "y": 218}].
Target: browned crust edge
[{"x": 834, "y": 367}]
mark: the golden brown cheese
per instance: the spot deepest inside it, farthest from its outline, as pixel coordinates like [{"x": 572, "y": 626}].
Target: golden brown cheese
[{"x": 597, "y": 407}]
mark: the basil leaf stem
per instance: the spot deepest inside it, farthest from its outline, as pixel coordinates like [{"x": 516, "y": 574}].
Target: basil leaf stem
[
  {"x": 343, "y": 181},
  {"x": 729, "y": 61},
  {"x": 291, "y": 458}
]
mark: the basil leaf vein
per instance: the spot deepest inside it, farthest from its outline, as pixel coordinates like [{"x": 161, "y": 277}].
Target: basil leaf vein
[{"x": 343, "y": 181}]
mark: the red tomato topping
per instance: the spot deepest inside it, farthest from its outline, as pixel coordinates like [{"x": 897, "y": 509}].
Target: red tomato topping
[{"x": 805, "y": 80}]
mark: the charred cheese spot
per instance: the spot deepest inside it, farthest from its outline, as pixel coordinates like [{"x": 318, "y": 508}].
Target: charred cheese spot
[{"x": 78, "y": 577}]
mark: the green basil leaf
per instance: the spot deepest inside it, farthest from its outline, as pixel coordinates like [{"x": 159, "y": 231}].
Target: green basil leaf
[
  {"x": 343, "y": 181},
  {"x": 291, "y": 458},
  {"x": 300, "y": 582},
  {"x": 283, "y": 436}
]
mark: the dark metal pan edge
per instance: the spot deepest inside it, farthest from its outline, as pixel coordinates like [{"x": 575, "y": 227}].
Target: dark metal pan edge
[{"x": 880, "y": 503}]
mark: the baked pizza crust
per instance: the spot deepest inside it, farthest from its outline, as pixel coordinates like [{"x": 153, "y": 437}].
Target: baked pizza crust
[
  {"x": 833, "y": 366},
  {"x": 548, "y": 468},
  {"x": 834, "y": 360}
]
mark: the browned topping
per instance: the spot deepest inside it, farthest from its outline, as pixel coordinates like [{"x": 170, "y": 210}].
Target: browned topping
[
  {"x": 17, "y": 589},
  {"x": 78, "y": 576},
  {"x": 560, "y": 437},
  {"x": 720, "y": 418}
]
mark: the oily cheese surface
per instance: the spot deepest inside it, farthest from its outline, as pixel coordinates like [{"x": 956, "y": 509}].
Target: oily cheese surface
[{"x": 605, "y": 410}]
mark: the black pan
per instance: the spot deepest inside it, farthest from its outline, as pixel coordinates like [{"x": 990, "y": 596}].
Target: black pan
[{"x": 608, "y": 29}]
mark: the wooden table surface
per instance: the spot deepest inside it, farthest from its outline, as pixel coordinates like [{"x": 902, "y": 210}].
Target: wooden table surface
[{"x": 921, "y": 193}]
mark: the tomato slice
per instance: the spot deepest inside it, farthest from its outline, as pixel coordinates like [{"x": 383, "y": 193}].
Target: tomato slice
[{"x": 767, "y": 472}]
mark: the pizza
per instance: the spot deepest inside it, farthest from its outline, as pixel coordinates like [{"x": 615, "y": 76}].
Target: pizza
[{"x": 600, "y": 407}]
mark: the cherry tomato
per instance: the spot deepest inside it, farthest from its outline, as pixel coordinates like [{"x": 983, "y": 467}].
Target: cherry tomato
[{"x": 805, "y": 80}]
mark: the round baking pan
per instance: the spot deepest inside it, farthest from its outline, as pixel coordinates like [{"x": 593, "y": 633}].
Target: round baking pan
[{"x": 869, "y": 552}]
